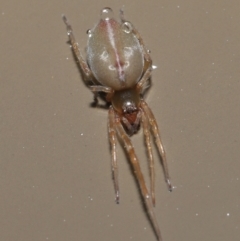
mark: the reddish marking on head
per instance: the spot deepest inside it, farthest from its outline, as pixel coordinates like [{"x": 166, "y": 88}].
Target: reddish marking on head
[{"x": 131, "y": 117}]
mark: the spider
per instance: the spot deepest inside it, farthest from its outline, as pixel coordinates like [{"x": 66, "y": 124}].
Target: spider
[{"x": 119, "y": 66}]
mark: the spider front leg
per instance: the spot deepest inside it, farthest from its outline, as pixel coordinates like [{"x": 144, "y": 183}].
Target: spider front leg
[
  {"x": 150, "y": 155},
  {"x": 136, "y": 169},
  {"x": 155, "y": 131},
  {"x": 113, "y": 144}
]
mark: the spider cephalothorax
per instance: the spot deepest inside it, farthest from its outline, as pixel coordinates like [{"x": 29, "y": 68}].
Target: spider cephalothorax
[{"x": 126, "y": 103}]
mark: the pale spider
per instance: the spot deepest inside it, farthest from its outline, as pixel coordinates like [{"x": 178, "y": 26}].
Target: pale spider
[{"x": 119, "y": 66}]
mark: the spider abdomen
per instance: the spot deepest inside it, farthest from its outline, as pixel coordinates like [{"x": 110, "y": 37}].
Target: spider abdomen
[{"x": 114, "y": 54}]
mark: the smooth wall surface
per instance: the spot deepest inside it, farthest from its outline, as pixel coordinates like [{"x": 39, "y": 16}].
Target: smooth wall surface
[{"x": 55, "y": 173}]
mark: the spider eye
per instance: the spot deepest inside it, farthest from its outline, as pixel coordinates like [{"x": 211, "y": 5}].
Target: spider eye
[{"x": 129, "y": 107}]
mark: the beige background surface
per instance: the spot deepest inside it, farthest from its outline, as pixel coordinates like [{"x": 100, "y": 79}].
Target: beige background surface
[{"x": 55, "y": 177}]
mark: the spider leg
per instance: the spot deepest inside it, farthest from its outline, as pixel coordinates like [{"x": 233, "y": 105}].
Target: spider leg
[
  {"x": 139, "y": 176},
  {"x": 100, "y": 88},
  {"x": 113, "y": 143},
  {"x": 150, "y": 155},
  {"x": 142, "y": 82},
  {"x": 158, "y": 141},
  {"x": 76, "y": 51}
]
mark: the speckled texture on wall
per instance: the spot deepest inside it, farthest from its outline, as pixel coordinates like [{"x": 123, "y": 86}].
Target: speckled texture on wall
[{"x": 55, "y": 172}]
